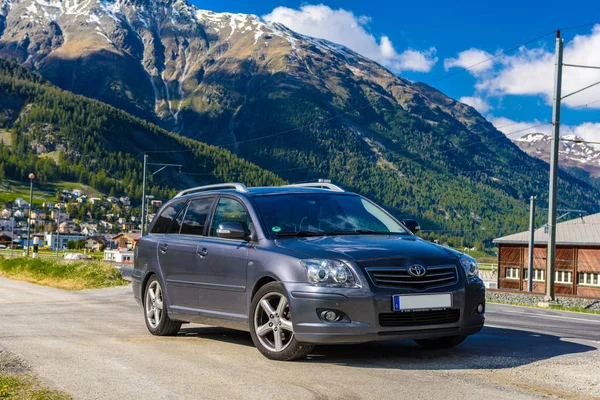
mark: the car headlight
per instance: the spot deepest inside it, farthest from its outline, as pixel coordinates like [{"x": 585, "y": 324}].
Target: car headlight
[
  {"x": 470, "y": 265},
  {"x": 329, "y": 272}
]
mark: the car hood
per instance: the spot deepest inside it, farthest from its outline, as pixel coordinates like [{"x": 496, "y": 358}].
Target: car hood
[{"x": 372, "y": 250}]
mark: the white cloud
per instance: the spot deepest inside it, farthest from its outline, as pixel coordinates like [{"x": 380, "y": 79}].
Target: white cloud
[
  {"x": 531, "y": 71},
  {"x": 472, "y": 57},
  {"x": 343, "y": 27},
  {"x": 588, "y": 131},
  {"x": 477, "y": 103},
  {"x": 516, "y": 129}
]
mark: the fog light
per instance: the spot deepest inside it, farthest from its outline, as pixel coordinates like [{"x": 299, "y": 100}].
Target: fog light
[
  {"x": 330, "y": 316},
  {"x": 480, "y": 308}
]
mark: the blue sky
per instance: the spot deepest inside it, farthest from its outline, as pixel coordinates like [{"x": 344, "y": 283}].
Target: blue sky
[{"x": 423, "y": 41}]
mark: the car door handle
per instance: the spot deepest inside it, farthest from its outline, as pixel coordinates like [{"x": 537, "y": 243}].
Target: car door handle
[
  {"x": 163, "y": 248},
  {"x": 203, "y": 253}
]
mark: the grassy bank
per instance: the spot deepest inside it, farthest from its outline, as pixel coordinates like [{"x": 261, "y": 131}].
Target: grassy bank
[
  {"x": 25, "y": 386},
  {"x": 69, "y": 275},
  {"x": 17, "y": 382}
]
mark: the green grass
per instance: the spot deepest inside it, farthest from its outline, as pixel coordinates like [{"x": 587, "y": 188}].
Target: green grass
[
  {"x": 24, "y": 386},
  {"x": 62, "y": 274},
  {"x": 552, "y": 307},
  {"x": 11, "y": 189}
]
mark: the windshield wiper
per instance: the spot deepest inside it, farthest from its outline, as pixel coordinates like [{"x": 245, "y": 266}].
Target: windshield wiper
[{"x": 299, "y": 234}]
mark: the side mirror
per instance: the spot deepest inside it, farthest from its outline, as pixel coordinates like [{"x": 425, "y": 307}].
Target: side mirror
[
  {"x": 232, "y": 230},
  {"x": 412, "y": 225}
]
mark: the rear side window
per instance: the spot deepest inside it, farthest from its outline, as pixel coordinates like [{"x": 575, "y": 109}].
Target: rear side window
[
  {"x": 195, "y": 216},
  {"x": 164, "y": 219}
]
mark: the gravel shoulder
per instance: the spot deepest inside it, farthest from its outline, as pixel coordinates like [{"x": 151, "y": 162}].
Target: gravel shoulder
[{"x": 94, "y": 344}]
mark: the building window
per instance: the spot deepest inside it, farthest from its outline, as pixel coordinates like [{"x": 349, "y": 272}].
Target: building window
[
  {"x": 563, "y": 277},
  {"x": 589, "y": 279},
  {"x": 512, "y": 273},
  {"x": 538, "y": 275}
]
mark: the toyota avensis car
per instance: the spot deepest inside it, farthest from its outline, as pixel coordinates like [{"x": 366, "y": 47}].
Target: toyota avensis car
[{"x": 301, "y": 265}]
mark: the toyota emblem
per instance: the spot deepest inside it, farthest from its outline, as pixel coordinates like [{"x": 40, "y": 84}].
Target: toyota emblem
[{"x": 417, "y": 270}]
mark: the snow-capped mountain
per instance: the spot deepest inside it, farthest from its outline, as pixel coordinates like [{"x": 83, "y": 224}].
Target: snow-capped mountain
[{"x": 573, "y": 152}]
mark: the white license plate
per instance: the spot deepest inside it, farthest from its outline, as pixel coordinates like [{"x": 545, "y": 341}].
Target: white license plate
[{"x": 421, "y": 301}]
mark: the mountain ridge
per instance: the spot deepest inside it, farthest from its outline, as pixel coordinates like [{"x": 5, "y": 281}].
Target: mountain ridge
[{"x": 291, "y": 103}]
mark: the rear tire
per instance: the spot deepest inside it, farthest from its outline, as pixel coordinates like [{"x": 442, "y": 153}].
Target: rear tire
[
  {"x": 271, "y": 325},
  {"x": 155, "y": 310},
  {"x": 445, "y": 342}
]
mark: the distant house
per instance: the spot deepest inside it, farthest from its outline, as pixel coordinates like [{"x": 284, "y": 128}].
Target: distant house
[
  {"x": 47, "y": 204},
  {"x": 577, "y": 258},
  {"x": 77, "y": 192},
  {"x": 54, "y": 214},
  {"x": 119, "y": 256},
  {"x": 19, "y": 202},
  {"x": 5, "y": 239},
  {"x": 38, "y": 214},
  {"x": 66, "y": 226},
  {"x": 94, "y": 200},
  {"x": 156, "y": 203},
  {"x": 6, "y": 213},
  {"x": 94, "y": 243},
  {"x": 126, "y": 240},
  {"x": 112, "y": 199},
  {"x": 51, "y": 239},
  {"x": 125, "y": 200},
  {"x": 19, "y": 214}
]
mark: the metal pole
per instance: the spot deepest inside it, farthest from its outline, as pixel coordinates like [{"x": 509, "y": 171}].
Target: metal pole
[
  {"x": 31, "y": 178},
  {"x": 12, "y": 242},
  {"x": 58, "y": 233},
  {"x": 550, "y": 266},
  {"x": 144, "y": 193},
  {"x": 531, "y": 243}
]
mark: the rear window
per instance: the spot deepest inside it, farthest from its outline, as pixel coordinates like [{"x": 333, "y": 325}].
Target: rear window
[
  {"x": 163, "y": 221},
  {"x": 195, "y": 216}
]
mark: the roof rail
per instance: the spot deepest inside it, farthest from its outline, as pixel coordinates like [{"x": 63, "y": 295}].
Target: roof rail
[
  {"x": 237, "y": 186},
  {"x": 318, "y": 185}
]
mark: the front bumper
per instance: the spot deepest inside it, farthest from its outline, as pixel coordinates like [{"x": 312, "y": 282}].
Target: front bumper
[{"x": 363, "y": 306}]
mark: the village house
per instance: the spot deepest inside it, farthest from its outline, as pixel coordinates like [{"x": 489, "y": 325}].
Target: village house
[
  {"x": 54, "y": 214},
  {"x": 47, "y": 204},
  {"x": 156, "y": 203},
  {"x": 6, "y": 213},
  {"x": 19, "y": 202},
  {"x": 577, "y": 258},
  {"x": 126, "y": 240},
  {"x": 51, "y": 239},
  {"x": 94, "y": 243}
]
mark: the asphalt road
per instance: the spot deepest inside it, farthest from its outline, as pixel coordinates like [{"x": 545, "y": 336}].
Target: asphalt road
[{"x": 94, "y": 345}]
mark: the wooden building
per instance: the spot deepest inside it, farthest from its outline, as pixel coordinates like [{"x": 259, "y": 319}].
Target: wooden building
[{"x": 577, "y": 258}]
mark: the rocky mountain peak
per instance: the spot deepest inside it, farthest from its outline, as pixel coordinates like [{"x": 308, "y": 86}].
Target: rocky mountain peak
[{"x": 573, "y": 151}]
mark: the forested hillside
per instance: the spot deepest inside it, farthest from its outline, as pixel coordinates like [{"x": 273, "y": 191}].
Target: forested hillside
[{"x": 62, "y": 136}]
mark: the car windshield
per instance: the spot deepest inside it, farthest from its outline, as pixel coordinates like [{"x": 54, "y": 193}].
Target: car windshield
[{"x": 319, "y": 214}]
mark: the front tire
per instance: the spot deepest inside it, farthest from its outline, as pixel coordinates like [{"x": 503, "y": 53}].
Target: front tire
[
  {"x": 155, "y": 310},
  {"x": 445, "y": 342},
  {"x": 271, "y": 325}
]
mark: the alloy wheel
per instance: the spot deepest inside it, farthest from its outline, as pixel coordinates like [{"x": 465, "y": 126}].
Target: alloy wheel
[
  {"x": 154, "y": 304},
  {"x": 273, "y": 322}
]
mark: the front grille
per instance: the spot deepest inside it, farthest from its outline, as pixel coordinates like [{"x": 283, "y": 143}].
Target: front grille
[
  {"x": 441, "y": 275},
  {"x": 418, "y": 318}
]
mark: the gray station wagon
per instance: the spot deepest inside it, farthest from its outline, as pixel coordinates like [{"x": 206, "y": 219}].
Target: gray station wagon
[{"x": 301, "y": 265}]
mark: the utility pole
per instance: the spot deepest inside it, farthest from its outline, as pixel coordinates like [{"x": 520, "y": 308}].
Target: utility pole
[
  {"x": 31, "y": 178},
  {"x": 12, "y": 235},
  {"x": 58, "y": 233},
  {"x": 551, "y": 258},
  {"x": 531, "y": 242},
  {"x": 144, "y": 193},
  {"x": 163, "y": 166}
]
